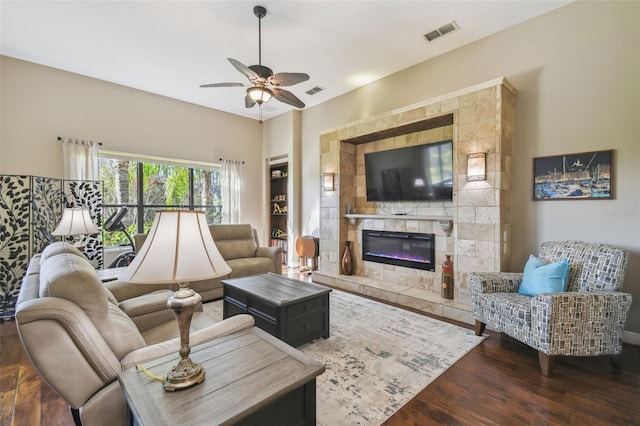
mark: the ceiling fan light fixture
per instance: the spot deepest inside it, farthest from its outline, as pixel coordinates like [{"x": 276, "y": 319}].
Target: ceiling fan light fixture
[
  {"x": 259, "y": 94},
  {"x": 264, "y": 84}
]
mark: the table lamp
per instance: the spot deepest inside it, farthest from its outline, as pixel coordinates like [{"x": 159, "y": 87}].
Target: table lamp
[
  {"x": 76, "y": 221},
  {"x": 179, "y": 249}
]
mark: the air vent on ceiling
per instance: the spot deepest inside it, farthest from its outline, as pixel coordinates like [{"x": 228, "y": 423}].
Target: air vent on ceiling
[
  {"x": 315, "y": 90},
  {"x": 268, "y": 108},
  {"x": 451, "y": 26}
]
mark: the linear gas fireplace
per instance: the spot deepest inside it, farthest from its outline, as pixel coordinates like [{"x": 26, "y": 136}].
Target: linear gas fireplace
[{"x": 408, "y": 249}]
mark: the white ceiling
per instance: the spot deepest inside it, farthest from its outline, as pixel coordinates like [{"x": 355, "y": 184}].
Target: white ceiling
[{"x": 171, "y": 47}]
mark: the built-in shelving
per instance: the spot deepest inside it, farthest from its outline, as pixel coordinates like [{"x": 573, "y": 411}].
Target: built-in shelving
[{"x": 279, "y": 210}]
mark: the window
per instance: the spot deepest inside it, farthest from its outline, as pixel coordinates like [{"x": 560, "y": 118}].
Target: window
[{"x": 145, "y": 186}]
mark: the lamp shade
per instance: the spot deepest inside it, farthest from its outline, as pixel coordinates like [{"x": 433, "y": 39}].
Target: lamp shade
[
  {"x": 259, "y": 94},
  {"x": 76, "y": 221},
  {"x": 179, "y": 248}
]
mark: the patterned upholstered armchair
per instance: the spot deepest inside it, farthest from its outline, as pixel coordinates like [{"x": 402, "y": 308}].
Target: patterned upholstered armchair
[{"x": 586, "y": 320}]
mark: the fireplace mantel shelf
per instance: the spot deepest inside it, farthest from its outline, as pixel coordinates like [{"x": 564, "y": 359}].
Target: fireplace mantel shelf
[
  {"x": 445, "y": 221},
  {"x": 397, "y": 216}
]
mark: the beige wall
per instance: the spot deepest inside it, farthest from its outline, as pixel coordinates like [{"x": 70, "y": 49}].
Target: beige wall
[
  {"x": 41, "y": 103},
  {"x": 577, "y": 73}
]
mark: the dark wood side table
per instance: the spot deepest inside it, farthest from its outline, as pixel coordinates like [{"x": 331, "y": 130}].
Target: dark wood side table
[
  {"x": 292, "y": 310},
  {"x": 252, "y": 378}
]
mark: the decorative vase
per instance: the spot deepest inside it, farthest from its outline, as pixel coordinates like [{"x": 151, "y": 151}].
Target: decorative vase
[
  {"x": 447, "y": 278},
  {"x": 347, "y": 262}
]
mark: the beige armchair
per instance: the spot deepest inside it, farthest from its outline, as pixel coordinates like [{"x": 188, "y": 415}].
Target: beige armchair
[
  {"x": 79, "y": 338},
  {"x": 586, "y": 320}
]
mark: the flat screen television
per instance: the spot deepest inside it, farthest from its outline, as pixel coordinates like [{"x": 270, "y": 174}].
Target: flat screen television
[{"x": 414, "y": 173}]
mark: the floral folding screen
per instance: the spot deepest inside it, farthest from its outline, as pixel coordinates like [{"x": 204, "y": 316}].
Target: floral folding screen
[{"x": 30, "y": 209}]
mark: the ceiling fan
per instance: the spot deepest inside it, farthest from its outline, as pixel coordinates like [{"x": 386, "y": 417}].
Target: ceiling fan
[{"x": 263, "y": 82}]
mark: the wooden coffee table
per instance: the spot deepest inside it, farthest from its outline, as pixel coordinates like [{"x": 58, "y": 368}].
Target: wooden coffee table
[
  {"x": 292, "y": 310},
  {"x": 251, "y": 378}
]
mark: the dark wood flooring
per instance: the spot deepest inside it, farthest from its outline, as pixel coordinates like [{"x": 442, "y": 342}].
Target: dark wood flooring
[{"x": 497, "y": 383}]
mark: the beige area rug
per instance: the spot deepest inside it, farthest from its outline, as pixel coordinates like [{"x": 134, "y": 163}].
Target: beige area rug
[{"x": 377, "y": 358}]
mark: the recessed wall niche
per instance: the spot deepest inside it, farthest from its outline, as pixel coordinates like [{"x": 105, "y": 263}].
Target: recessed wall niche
[{"x": 477, "y": 119}]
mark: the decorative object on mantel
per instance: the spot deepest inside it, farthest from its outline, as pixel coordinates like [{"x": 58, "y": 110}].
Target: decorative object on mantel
[
  {"x": 179, "y": 249},
  {"x": 447, "y": 278},
  {"x": 582, "y": 176},
  {"x": 347, "y": 261},
  {"x": 476, "y": 166}
]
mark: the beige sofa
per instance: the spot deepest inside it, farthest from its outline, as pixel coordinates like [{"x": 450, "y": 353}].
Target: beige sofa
[
  {"x": 240, "y": 248},
  {"x": 79, "y": 337}
]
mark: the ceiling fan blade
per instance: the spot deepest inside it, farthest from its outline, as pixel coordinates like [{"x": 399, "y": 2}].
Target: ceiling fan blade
[
  {"x": 287, "y": 97},
  {"x": 248, "y": 102},
  {"x": 288, "y": 78},
  {"x": 251, "y": 74},
  {"x": 224, "y": 85}
]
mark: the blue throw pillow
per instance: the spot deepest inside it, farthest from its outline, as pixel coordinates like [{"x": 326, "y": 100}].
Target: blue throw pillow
[{"x": 544, "y": 278}]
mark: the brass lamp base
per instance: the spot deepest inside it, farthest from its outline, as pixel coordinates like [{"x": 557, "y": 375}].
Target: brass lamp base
[
  {"x": 183, "y": 375},
  {"x": 186, "y": 373}
]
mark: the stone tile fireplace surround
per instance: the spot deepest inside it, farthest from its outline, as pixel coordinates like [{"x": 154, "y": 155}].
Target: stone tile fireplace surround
[{"x": 474, "y": 228}]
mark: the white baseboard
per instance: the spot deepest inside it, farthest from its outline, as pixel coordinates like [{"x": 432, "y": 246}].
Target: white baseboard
[{"x": 631, "y": 338}]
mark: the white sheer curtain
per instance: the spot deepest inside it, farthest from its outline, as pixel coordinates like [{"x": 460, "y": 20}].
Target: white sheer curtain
[
  {"x": 80, "y": 159},
  {"x": 231, "y": 191}
]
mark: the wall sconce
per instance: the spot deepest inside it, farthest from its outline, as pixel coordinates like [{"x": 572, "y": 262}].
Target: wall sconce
[
  {"x": 476, "y": 166},
  {"x": 328, "y": 182}
]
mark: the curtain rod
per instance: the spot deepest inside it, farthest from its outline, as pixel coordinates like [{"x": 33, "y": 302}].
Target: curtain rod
[
  {"x": 60, "y": 138},
  {"x": 237, "y": 161}
]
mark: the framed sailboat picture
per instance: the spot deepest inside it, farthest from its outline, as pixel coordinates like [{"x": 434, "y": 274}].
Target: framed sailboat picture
[{"x": 582, "y": 176}]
